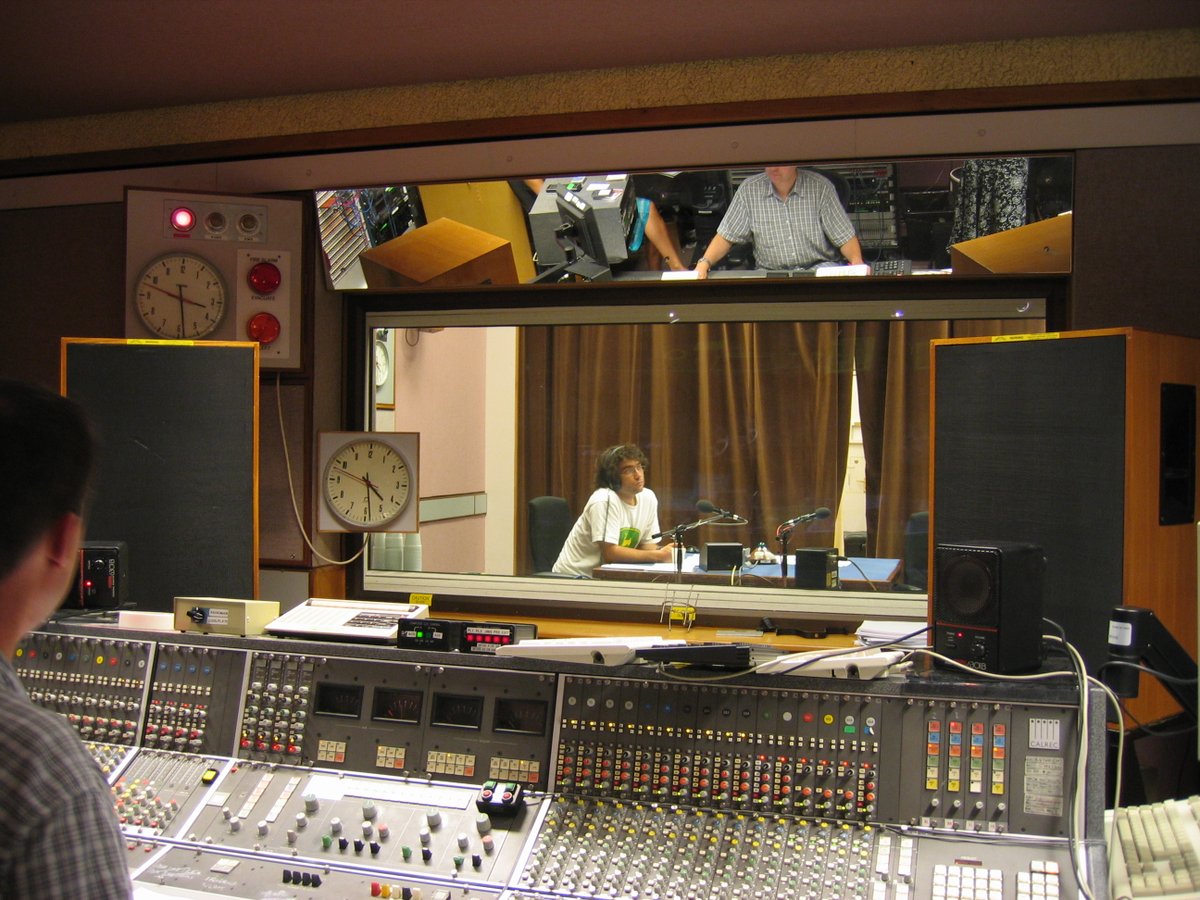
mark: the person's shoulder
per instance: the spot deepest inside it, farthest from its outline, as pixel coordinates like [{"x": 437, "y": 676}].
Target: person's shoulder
[
  {"x": 43, "y": 747},
  {"x": 600, "y": 495},
  {"x": 815, "y": 179}
]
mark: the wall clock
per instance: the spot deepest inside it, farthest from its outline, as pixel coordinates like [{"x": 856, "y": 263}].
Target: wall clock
[
  {"x": 368, "y": 481},
  {"x": 180, "y": 296}
]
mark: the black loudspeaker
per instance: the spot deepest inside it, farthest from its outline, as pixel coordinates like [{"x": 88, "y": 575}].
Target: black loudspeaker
[
  {"x": 720, "y": 557},
  {"x": 817, "y": 568},
  {"x": 102, "y": 577},
  {"x": 1080, "y": 443},
  {"x": 987, "y": 604}
]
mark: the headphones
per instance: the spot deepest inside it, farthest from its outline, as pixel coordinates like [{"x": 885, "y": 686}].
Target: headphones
[{"x": 608, "y": 473}]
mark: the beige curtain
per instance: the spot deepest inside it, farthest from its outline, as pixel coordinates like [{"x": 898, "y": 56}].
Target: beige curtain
[{"x": 754, "y": 417}]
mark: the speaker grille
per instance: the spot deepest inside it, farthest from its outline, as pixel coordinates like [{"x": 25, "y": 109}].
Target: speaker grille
[{"x": 966, "y": 584}]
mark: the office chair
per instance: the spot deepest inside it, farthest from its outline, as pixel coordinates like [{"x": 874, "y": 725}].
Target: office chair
[
  {"x": 916, "y": 551},
  {"x": 550, "y": 522}
]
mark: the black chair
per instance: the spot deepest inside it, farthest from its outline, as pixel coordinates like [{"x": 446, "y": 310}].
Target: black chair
[
  {"x": 916, "y": 551},
  {"x": 550, "y": 521}
]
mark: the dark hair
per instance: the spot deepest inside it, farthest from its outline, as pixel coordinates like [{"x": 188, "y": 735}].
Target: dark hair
[
  {"x": 47, "y": 451},
  {"x": 608, "y": 465}
]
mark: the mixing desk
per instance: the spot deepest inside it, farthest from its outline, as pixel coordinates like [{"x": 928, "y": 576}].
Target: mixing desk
[{"x": 275, "y": 768}]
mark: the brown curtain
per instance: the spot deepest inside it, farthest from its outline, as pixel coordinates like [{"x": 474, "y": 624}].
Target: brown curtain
[
  {"x": 752, "y": 416},
  {"x": 892, "y": 360}
]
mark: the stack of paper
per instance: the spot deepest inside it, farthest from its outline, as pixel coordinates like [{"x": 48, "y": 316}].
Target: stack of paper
[{"x": 909, "y": 634}]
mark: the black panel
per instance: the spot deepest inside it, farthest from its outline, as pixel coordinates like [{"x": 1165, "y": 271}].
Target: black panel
[
  {"x": 1177, "y": 455},
  {"x": 175, "y": 479},
  {"x": 1030, "y": 446}
]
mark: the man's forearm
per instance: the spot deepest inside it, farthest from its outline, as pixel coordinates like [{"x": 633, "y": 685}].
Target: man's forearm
[
  {"x": 717, "y": 248},
  {"x": 852, "y": 250}
]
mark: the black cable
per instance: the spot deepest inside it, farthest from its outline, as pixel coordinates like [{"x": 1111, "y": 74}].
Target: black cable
[
  {"x": 869, "y": 582},
  {"x": 1174, "y": 679}
]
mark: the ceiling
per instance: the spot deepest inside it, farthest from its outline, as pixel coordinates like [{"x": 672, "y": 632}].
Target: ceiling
[{"x": 63, "y": 58}]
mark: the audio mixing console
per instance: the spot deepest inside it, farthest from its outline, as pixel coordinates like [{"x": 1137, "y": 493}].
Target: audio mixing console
[{"x": 272, "y": 768}]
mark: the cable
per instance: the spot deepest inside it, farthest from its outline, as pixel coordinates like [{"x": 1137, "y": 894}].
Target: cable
[
  {"x": 1174, "y": 679},
  {"x": 869, "y": 582},
  {"x": 287, "y": 466},
  {"x": 895, "y": 642}
]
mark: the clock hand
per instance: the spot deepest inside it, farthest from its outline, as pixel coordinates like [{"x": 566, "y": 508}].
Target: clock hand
[
  {"x": 178, "y": 296},
  {"x": 367, "y": 481},
  {"x": 371, "y": 487}
]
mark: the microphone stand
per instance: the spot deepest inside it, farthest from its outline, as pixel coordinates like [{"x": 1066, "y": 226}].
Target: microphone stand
[
  {"x": 782, "y": 536},
  {"x": 676, "y": 535},
  {"x": 783, "y": 532}
]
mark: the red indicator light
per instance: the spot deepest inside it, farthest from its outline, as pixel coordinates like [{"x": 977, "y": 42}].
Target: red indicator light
[
  {"x": 263, "y": 327},
  {"x": 264, "y": 278},
  {"x": 183, "y": 219}
]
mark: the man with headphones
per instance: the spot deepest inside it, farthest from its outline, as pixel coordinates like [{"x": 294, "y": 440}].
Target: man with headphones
[{"x": 618, "y": 519}]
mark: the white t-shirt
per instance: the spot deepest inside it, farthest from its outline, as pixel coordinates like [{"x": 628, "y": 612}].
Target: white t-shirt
[{"x": 606, "y": 519}]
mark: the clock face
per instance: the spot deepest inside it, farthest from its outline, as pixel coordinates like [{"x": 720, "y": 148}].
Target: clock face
[
  {"x": 366, "y": 484},
  {"x": 180, "y": 296},
  {"x": 383, "y": 363}
]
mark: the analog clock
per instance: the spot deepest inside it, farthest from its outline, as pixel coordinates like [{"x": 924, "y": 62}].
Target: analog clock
[
  {"x": 180, "y": 296},
  {"x": 366, "y": 483},
  {"x": 383, "y": 363}
]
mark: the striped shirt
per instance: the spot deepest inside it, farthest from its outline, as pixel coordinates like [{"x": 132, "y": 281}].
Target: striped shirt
[
  {"x": 801, "y": 231},
  {"x": 59, "y": 836}
]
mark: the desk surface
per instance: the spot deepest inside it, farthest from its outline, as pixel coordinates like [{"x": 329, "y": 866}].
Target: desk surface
[
  {"x": 566, "y": 628},
  {"x": 855, "y": 573}
]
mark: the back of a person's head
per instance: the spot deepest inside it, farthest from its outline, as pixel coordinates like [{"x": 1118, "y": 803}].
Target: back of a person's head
[{"x": 46, "y": 457}]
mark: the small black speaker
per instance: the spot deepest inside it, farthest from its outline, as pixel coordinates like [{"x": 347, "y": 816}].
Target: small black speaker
[
  {"x": 987, "y": 604},
  {"x": 720, "y": 557},
  {"x": 817, "y": 568},
  {"x": 102, "y": 577}
]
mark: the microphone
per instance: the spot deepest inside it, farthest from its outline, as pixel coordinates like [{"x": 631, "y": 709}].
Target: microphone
[
  {"x": 708, "y": 509},
  {"x": 822, "y": 513}
]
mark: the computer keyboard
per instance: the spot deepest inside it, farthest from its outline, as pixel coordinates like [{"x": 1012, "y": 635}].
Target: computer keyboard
[
  {"x": 891, "y": 267},
  {"x": 1156, "y": 851}
]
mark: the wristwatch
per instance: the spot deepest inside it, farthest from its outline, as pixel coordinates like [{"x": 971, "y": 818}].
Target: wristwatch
[{"x": 704, "y": 259}]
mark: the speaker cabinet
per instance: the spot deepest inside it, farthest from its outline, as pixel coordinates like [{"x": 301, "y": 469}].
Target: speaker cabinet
[
  {"x": 1075, "y": 443},
  {"x": 987, "y": 605}
]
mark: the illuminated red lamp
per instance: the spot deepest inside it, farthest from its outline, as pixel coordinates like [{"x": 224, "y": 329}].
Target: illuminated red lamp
[
  {"x": 264, "y": 278},
  {"x": 263, "y": 327},
  {"x": 183, "y": 219}
]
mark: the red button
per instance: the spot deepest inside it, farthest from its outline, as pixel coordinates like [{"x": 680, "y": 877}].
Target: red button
[
  {"x": 264, "y": 328},
  {"x": 264, "y": 278}
]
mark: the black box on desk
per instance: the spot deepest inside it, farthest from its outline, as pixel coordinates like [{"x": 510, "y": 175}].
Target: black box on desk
[
  {"x": 101, "y": 578},
  {"x": 817, "y": 568},
  {"x": 721, "y": 557}
]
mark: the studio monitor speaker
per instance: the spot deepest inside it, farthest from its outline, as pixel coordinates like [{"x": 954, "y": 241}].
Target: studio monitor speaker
[
  {"x": 1084, "y": 444},
  {"x": 987, "y": 604}
]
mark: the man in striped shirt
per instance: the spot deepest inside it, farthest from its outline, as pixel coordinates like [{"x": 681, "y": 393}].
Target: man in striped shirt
[
  {"x": 59, "y": 835},
  {"x": 794, "y": 219}
]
